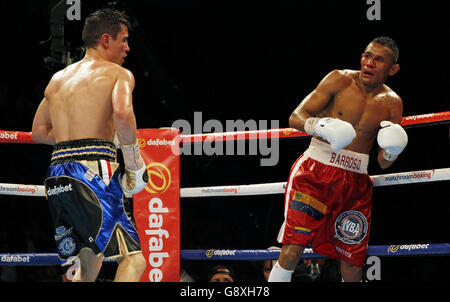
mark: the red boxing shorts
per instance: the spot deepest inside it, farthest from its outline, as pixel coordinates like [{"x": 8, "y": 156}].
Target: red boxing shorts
[{"x": 328, "y": 203}]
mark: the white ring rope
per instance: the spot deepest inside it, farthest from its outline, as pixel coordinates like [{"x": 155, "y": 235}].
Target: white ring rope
[
  {"x": 423, "y": 176},
  {"x": 279, "y": 187}
]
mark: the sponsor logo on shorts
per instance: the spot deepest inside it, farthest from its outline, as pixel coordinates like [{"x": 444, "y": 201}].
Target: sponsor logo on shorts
[
  {"x": 351, "y": 227},
  {"x": 57, "y": 190},
  {"x": 343, "y": 252},
  {"x": 61, "y": 232},
  {"x": 67, "y": 246}
]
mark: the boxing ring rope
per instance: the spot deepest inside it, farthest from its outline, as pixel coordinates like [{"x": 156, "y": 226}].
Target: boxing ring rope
[
  {"x": 39, "y": 259},
  {"x": 427, "y": 249},
  {"x": 403, "y": 178},
  {"x": 21, "y": 137}
]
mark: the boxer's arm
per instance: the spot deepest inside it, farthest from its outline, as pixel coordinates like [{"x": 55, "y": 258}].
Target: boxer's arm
[
  {"x": 123, "y": 113},
  {"x": 42, "y": 129},
  {"x": 317, "y": 100},
  {"x": 135, "y": 178},
  {"x": 396, "y": 113}
]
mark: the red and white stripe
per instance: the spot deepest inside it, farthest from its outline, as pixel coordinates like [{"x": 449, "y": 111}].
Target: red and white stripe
[{"x": 105, "y": 171}]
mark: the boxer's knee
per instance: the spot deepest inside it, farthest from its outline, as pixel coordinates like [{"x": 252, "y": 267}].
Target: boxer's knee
[
  {"x": 135, "y": 261},
  {"x": 84, "y": 267},
  {"x": 90, "y": 264}
]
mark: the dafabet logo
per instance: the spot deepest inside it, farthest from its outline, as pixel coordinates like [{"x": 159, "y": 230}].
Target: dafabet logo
[{"x": 159, "y": 178}]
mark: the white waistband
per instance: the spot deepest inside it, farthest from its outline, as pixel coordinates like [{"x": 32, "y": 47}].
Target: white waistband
[{"x": 345, "y": 159}]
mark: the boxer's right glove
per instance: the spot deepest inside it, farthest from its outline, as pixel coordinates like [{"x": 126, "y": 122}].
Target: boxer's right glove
[
  {"x": 392, "y": 138},
  {"x": 337, "y": 132},
  {"x": 136, "y": 177}
]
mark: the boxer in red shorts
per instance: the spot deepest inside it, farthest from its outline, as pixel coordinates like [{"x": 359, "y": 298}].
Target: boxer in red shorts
[{"x": 328, "y": 193}]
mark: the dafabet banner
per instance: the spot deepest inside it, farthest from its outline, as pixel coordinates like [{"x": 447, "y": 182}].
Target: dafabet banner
[{"x": 157, "y": 208}]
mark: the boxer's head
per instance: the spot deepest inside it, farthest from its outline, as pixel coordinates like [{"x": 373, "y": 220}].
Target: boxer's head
[
  {"x": 379, "y": 61},
  {"x": 220, "y": 273},
  {"x": 106, "y": 30}
]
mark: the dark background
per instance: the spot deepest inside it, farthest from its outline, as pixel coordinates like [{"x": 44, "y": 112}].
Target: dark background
[{"x": 233, "y": 61}]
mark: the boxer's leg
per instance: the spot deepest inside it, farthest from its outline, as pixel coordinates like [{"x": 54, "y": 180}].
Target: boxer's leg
[
  {"x": 131, "y": 266},
  {"x": 85, "y": 267},
  {"x": 289, "y": 257},
  {"x": 90, "y": 265},
  {"x": 351, "y": 273}
]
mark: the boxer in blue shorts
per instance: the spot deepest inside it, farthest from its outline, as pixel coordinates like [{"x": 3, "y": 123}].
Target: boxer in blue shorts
[
  {"x": 86, "y": 107},
  {"x": 86, "y": 200}
]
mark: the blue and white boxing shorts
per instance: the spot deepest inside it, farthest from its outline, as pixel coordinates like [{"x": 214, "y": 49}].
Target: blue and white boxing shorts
[{"x": 86, "y": 201}]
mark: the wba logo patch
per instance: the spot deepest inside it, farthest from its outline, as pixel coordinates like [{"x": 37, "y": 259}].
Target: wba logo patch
[{"x": 351, "y": 227}]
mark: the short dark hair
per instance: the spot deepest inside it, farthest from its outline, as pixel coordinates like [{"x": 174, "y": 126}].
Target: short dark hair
[
  {"x": 388, "y": 42},
  {"x": 220, "y": 269},
  {"x": 100, "y": 22}
]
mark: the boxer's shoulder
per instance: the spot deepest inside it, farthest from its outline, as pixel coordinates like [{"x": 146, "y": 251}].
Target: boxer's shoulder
[
  {"x": 392, "y": 101},
  {"x": 390, "y": 94},
  {"x": 344, "y": 74},
  {"x": 115, "y": 71},
  {"x": 339, "y": 79}
]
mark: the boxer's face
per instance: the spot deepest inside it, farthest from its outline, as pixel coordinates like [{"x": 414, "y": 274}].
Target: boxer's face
[
  {"x": 377, "y": 63},
  {"x": 119, "y": 47}
]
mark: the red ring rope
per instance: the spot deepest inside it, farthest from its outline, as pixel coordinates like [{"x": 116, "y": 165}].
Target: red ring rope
[{"x": 21, "y": 137}]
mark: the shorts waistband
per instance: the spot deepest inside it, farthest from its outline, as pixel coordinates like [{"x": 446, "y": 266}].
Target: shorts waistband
[
  {"x": 84, "y": 149},
  {"x": 344, "y": 159}
]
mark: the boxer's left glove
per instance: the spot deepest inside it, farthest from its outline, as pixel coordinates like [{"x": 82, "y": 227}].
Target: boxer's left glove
[
  {"x": 392, "y": 138},
  {"x": 337, "y": 132},
  {"x": 136, "y": 177}
]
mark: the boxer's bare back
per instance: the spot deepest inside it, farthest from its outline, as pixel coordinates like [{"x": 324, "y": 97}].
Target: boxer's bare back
[
  {"x": 82, "y": 98},
  {"x": 79, "y": 99}
]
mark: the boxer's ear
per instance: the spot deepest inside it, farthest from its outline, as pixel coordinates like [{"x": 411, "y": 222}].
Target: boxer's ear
[
  {"x": 394, "y": 69},
  {"x": 105, "y": 40}
]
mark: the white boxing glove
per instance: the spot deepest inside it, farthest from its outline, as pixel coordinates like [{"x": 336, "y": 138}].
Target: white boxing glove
[
  {"x": 337, "y": 132},
  {"x": 392, "y": 138},
  {"x": 135, "y": 178}
]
